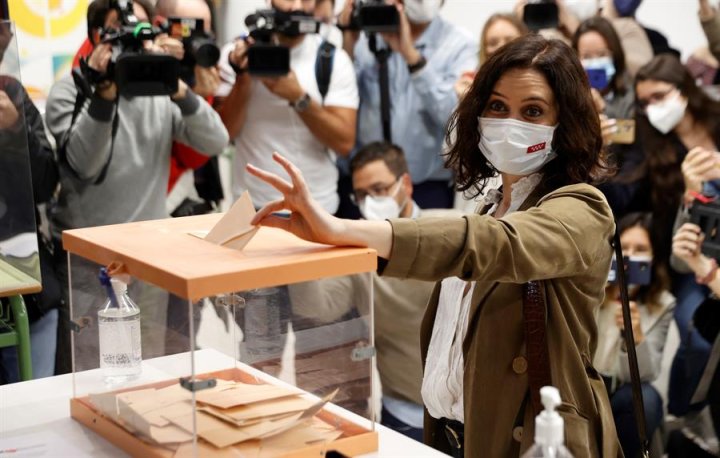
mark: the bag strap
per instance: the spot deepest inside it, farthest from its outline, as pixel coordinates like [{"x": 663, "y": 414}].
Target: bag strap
[
  {"x": 535, "y": 328},
  {"x": 324, "y": 67},
  {"x": 638, "y": 404}
]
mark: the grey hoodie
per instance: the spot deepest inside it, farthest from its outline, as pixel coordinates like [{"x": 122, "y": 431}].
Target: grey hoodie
[{"x": 135, "y": 186}]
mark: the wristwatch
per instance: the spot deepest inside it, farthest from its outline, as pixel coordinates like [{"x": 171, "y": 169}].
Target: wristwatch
[
  {"x": 417, "y": 66},
  {"x": 301, "y": 104}
]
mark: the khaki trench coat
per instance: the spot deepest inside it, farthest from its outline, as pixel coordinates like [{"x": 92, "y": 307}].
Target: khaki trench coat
[{"x": 564, "y": 240}]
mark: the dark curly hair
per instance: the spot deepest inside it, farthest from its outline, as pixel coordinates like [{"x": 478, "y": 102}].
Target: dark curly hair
[{"x": 578, "y": 139}]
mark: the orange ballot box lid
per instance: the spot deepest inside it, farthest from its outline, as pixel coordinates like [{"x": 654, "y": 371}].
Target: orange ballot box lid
[{"x": 166, "y": 254}]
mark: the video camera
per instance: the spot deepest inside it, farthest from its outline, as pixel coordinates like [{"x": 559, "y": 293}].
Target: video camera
[
  {"x": 266, "y": 58},
  {"x": 541, "y": 14},
  {"x": 135, "y": 71},
  {"x": 200, "y": 47},
  {"x": 374, "y": 16}
]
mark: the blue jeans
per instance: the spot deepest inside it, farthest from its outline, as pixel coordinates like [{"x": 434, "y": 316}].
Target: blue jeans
[
  {"x": 394, "y": 423},
  {"x": 621, "y": 402},
  {"x": 43, "y": 337},
  {"x": 693, "y": 352}
]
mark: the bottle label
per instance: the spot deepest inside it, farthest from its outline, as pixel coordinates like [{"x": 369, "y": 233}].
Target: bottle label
[{"x": 120, "y": 344}]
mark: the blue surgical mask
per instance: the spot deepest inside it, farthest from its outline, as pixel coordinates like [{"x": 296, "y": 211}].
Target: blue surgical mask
[
  {"x": 626, "y": 8},
  {"x": 601, "y": 63}
]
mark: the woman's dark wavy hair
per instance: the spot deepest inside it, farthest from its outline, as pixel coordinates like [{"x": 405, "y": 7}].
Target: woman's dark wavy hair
[
  {"x": 577, "y": 140},
  {"x": 606, "y": 30},
  {"x": 662, "y": 163}
]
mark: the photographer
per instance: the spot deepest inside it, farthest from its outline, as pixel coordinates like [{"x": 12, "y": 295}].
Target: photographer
[
  {"x": 288, "y": 113},
  {"x": 204, "y": 80},
  {"x": 115, "y": 150},
  {"x": 651, "y": 309},
  {"x": 701, "y": 315},
  {"x": 428, "y": 56}
]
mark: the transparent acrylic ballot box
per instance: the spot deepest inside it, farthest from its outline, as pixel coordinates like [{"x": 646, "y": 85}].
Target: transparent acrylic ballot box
[{"x": 259, "y": 352}]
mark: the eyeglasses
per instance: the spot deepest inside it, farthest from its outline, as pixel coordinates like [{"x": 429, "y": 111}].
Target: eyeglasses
[
  {"x": 655, "y": 97},
  {"x": 377, "y": 190}
]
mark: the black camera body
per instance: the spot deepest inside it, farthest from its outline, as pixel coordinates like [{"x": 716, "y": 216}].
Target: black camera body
[
  {"x": 374, "y": 16},
  {"x": 541, "y": 14},
  {"x": 135, "y": 71},
  {"x": 200, "y": 48},
  {"x": 266, "y": 58},
  {"x": 707, "y": 216}
]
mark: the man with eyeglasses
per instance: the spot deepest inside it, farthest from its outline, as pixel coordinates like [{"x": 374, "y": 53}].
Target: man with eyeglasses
[{"x": 382, "y": 188}]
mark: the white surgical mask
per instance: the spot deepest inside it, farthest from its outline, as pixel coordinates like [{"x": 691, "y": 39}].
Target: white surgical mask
[
  {"x": 516, "y": 147},
  {"x": 601, "y": 63},
  {"x": 666, "y": 115},
  {"x": 380, "y": 208},
  {"x": 582, "y": 9},
  {"x": 422, "y": 11}
]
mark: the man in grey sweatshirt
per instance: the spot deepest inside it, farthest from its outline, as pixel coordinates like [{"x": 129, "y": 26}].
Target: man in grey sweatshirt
[{"x": 134, "y": 185}]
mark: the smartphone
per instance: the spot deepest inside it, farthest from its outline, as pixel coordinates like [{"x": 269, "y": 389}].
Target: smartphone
[
  {"x": 541, "y": 15},
  {"x": 598, "y": 78},
  {"x": 625, "y": 133},
  {"x": 638, "y": 270}
]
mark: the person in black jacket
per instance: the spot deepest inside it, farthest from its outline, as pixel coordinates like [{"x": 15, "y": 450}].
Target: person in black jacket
[{"x": 23, "y": 142}]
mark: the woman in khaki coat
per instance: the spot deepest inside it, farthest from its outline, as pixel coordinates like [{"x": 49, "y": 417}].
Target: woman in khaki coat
[{"x": 528, "y": 116}]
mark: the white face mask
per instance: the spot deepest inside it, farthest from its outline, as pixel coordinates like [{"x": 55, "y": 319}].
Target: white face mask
[
  {"x": 666, "y": 115},
  {"x": 516, "y": 147},
  {"x": 422, "y": 11},
  {"x": 582, "y": 9},
  {"x": 380, "y": 208}
]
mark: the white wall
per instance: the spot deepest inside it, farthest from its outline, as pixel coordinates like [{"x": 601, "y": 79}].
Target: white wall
[{"x": 677, "y": 19}]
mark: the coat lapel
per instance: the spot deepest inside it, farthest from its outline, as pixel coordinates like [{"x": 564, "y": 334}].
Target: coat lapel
[{"x": 484, "y": 289}]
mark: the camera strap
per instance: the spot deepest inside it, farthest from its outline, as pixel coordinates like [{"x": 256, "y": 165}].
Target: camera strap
[
  {"x": 382, "y": 56},
  {"x": 324, "y": 67},
  {"x": 638, "y": 404},
  {"x": 84, "y": 92}
]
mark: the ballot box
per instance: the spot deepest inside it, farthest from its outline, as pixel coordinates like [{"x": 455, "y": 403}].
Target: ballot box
[{"x": 226, "y": 349}]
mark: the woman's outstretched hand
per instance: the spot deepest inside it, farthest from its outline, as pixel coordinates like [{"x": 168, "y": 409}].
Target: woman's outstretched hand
[{"x": 307, "y": 220}]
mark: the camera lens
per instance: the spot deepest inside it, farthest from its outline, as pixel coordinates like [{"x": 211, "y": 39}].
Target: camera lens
[{"x": 206, "y": 52}]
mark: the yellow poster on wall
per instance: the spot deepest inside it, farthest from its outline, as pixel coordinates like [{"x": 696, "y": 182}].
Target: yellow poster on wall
[{"x": 49, "y": 34}]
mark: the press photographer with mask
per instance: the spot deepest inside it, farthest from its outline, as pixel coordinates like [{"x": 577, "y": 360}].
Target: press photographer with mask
[
  {"x": 287, "y": 113},
  {"x": 541, "y": 245},
  {"x": 115, "y": 150},
  {"x": 428, "y": 55}
]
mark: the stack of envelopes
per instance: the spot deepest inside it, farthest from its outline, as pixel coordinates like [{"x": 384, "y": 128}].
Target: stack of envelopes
[{"x": 260, "y": 420}]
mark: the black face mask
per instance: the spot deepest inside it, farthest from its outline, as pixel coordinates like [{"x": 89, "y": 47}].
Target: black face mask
[{"x": 285, "y": 24}]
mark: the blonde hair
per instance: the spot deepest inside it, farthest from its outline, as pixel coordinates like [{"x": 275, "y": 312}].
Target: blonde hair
[{"x": 507, "y": 17}]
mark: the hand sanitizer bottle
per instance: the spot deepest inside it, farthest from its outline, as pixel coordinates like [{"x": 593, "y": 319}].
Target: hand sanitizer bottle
[
  {"x": 549, "y": 429},
  {"x": 119, "y": 329}
]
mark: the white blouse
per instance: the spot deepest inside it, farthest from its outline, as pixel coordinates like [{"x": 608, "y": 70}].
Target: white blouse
[{"x": 442, "y": 387}]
